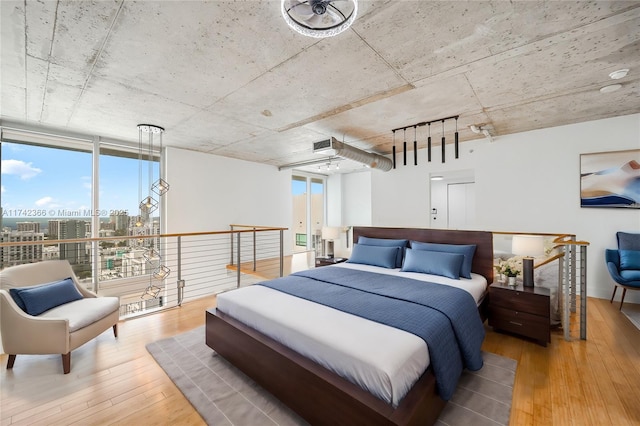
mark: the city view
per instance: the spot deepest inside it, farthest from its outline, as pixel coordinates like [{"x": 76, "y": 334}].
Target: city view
[{"x": 46, "y": 195}]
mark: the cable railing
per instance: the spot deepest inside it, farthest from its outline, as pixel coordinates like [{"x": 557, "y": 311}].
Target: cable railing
[
  {"x": 571, "y": 256},
  {"x": 154, "y": 272}
]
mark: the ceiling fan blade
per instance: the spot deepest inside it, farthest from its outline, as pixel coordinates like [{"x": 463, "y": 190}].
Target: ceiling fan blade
[
  {"x": 335, "y": 16},
  {"x": 315, "y": 20},
  {"x": 301, "y": 9}
]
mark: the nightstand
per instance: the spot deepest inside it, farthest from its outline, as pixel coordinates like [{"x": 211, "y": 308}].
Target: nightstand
[
  {"x": 524, "y": 311},
  {"x": 326, "y": 261}
]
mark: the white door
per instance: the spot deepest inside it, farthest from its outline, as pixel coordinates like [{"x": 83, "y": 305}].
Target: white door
[{"x": 461, "y": 205}]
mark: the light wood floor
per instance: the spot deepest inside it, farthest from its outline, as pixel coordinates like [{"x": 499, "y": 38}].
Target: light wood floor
[{"x": 593, "y": 382}]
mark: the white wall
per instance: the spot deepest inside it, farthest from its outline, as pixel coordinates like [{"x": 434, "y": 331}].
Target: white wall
[
  {"x": 525, "y": 182},
  {"x": 208, "y": 193}
]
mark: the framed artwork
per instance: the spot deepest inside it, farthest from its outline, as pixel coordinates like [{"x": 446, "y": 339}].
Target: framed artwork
[{"x": 610, "y": 179}]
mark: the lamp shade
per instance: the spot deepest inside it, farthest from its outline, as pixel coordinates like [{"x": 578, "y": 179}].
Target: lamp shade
[
  {"x": 330, "y": 233},
  {"x": 527, "y": 245}
]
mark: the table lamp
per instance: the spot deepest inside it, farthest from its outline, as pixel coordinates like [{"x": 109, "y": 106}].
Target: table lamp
[
  {"x": 527, "y": 245},
  {"x": 329, "y": 234}
]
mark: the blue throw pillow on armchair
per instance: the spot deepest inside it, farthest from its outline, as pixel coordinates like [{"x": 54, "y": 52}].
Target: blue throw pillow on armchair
[
  {"x": 628, "y": 241},
  {"x": 629, "y": 259},
  {"x": 38, "y": 299}
]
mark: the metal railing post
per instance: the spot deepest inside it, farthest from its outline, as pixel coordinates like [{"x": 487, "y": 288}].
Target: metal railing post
[
  {"x": 231, "y": 235},
  {"x": 574, "y": 271},
  {"x": 281, "y": 253},
  {"x": 566, "y": 302},
  {"x": 583, "y": 292},
  {"x": 180, "y": 283},
  {"x": 254, "y": 249},
  {"x": 238, "y": 265}
]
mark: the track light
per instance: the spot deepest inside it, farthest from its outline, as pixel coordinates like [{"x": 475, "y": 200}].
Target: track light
[{"x": 484, "y": 130}]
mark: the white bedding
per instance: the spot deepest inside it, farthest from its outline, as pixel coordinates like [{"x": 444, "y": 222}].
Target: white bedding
[{"x": 382, "y": 360}]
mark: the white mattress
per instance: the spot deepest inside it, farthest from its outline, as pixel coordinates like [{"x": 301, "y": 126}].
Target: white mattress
[{"x": 382, "y": 360}]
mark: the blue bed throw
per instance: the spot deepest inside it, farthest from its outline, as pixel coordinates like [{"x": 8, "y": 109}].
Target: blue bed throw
[{"x": 445, "y": 317}]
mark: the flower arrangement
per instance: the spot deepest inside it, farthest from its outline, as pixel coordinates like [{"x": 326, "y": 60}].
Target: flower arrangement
[{"x": 509, "y": 268}]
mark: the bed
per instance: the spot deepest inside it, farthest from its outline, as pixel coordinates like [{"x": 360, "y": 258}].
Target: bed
[{"x": 317, "y": 393}]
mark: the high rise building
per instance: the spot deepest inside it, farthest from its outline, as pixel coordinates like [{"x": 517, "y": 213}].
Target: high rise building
[
  {"x": 24, "y": 253},
  {"x": 54, "y": 229},
  {"x": 120, "y": 221},
  {"x": 28, "y": 226}
]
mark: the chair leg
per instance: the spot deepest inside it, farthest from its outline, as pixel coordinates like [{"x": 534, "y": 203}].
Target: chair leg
[
  {"x": 624, "y": 291},
  {"x": 615, "y": 288},
  {"x": 115, "y": 330},
  {"x": 66, "y": 362},
  {"x": 10, "y": 361}
]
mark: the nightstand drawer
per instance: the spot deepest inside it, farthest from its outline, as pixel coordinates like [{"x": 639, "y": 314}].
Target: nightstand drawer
[
  {"x": 520, "y": 301},
  {"x": 326, "y": 261},
  {"x": 522, "y": 323}
]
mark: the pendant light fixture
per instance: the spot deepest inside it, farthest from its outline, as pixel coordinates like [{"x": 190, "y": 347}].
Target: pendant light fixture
[
  {"x": 394, "y": 149},
  {"x": 148, "y": 205},
  {"x": 455, "y": 141},
  {"x": 429, "y": 145},
  {"x": 443, "y": 141},
  {"x": 415, "y": 145},
  {"x": 405, "y": 147}
]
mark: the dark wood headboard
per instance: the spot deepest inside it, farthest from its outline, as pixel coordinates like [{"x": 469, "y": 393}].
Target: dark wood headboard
[{"x": 482, "y": 259}]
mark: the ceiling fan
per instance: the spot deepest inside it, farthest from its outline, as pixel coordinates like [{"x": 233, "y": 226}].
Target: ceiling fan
[{"x": 319, "y": 18}]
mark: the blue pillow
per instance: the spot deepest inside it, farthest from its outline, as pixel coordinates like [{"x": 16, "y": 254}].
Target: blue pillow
[
  {"x": 628, "y": 241},
  {"x": 433, "y": 262},
  {"x": 467, "y": 250},
  {"x": 630, "y": 274},
  {"x": 386, "y": 242},
  {"x": 374, "y": 255},
  {"x": 629, "y": 259},
  {"x": 38, "y": 299}
]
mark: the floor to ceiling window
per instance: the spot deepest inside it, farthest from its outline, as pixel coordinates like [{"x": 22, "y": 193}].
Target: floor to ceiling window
[
  {"x": 48, "y": 194},
  {"x": 308, "y": 212}
]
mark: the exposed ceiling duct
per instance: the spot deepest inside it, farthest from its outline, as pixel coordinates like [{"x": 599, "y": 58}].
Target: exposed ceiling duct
[{"x": 333, "y": 146}]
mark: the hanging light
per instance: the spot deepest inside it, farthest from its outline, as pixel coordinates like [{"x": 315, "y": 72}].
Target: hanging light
[
  {"x": 161, "y": 272},
  {"x": 148, "y": 205},
  {"x": 415, "y": 146},
  {"x": 394, "y": 149},
  {"x": 443, "y": 141},
  {"x": 151, "y": 292},
  {"x": 429, "y": 145},
  {"x": 151, "y": 255},
  {"x": 319, "y": 18},
  {"x": 455, "y": 141},
  {"x": 404, "y": 147}
]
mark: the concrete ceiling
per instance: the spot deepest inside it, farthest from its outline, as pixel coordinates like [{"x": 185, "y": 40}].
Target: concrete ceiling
[{"x": 232, "y": 79}]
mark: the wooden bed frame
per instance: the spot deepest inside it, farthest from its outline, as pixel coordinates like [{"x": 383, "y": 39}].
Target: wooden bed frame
[{"x": 319, "y": 395}]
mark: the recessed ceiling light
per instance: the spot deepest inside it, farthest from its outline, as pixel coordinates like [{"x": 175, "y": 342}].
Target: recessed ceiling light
[
  {"x": 617, "y": 75},
  {"x": 610, "y": 88},
  {"x": 437, "y": 177}
]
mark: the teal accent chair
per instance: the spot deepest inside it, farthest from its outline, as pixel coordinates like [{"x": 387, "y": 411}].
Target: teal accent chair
[{"x": 624, "y": 264}]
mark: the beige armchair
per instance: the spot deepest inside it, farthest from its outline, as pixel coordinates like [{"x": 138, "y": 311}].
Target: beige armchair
[{"x": 58, "y": 330}]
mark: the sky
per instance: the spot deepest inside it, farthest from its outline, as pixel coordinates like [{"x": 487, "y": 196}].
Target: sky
[
  {"x": 50, "y": 182},
  {"x": 299, "y": 187}
]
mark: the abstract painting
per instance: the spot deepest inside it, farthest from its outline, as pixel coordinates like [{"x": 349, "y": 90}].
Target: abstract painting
[{"x": 610, "y": 179}]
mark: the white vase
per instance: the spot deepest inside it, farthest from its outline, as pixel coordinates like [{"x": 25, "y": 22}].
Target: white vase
[{"x": 512, "y": 280}]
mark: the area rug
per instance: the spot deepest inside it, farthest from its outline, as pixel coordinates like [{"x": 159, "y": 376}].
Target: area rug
[
  {"x": 223, "y": 395},
  {"x": 632, "y": 311}
]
